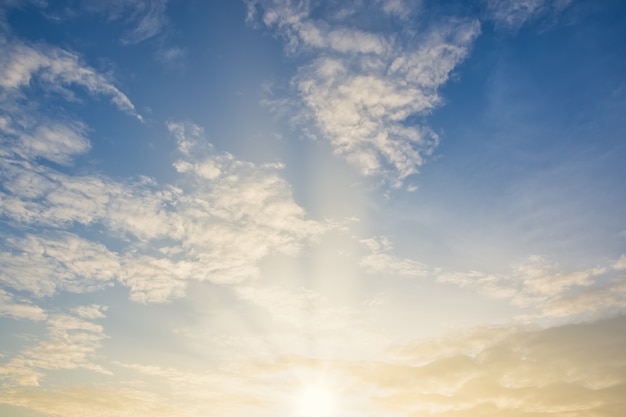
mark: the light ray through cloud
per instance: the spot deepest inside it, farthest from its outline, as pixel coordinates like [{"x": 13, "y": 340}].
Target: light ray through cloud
[{"x": 307, "y": 208}]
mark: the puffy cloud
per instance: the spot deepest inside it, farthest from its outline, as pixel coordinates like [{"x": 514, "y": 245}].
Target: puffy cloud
[
  {"x": 45, "y": 265},
  {"x": 221, "y": 218},
  {"x": 57, "y": 143},
  {"x": 362, "y": 86}
]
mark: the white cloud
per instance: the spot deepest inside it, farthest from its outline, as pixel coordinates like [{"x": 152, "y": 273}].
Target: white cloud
[
  {"x": 400, "y": 8},
  {"x": 380, "y": 260},
  {"x": 71, "y": 343},
  {"x": 570, "y": 370},
  {"x": 19, "y": 308},
  {"x": 361, "y": 86},
  {"x": 548, "y": 289},
  {"x": 514, "y": 13},
  {"x": 45, "y": 265},
  {"x": 620, "y": 264},
  {"x": 56, "y": 69},
  {"x": 221, "y": 218},
  {"x": 57, "y": 143},
  {"x": 150, "y": 21},
  {"x": 172, "y": 57},
  {"x": 156, "y": 280},
  {"x": 608, "y": 298},
  {"x": 77, "y": 401},
  {"x": 234, "y": 389}
]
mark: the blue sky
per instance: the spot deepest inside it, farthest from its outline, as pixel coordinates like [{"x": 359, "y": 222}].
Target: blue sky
[{"x": 310, "y": 209}]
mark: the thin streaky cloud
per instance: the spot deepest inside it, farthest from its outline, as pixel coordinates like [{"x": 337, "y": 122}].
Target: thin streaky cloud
[
  {"x": 513, "y": 14},
  {"x": 57, "y": 69},
  {"x": 19, "y": 308}
]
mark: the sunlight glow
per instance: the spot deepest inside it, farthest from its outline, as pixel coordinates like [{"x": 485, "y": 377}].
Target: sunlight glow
[{"x": 314, "y": 400}]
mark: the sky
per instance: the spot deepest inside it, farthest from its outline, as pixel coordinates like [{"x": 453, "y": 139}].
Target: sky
[{"x": 311, "y": 208}]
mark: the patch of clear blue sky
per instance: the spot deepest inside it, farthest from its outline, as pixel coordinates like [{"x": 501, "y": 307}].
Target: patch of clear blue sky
[{"x": 532, "y": 142}]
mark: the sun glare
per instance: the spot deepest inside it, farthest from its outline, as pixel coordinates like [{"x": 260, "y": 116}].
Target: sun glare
[{"x": 314, "y": 400}]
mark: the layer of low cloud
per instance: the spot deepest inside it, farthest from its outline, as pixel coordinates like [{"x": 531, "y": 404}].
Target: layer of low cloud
[{"x": 574, "y": 370}]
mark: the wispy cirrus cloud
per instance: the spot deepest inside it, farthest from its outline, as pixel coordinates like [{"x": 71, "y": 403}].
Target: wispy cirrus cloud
[
  {"x": 142, "y": 19},
  {"x": 361, "y": 86},
  {"x": 149, "y": 20},
  {"x": 513, "y": 14},
  {"x": 549, "y": 289},
  {"x": 55, "y": 70}
]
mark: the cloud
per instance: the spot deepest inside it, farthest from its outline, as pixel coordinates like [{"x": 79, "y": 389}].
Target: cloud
[
  {"x": 76, "y": 401},
  {"x": 215, "y": 224},
  {"x": 54, "y": 69},
  {"x": 55, "y": 142},
  {"x": 575, "y": 370},
  {"x": 381, "y": 261},
  {"x": 306, "y": 310},
  {"x": 620, "y": 264},
  {"x": 172, "y": 57},
  {"x": 548, "y": 288},
  {"x": 19, "y": 308},
  {"x": 400, "y": 8},
  {"x": 62, "y": 262},
  {"x": 361, "y": 87},
  {"x": 71, "y": 343},
  {"x": 609, "y": 298},
  {"x": 513, "y": 14},
  {"x": 150, "y": 20},
  {"x": 142, "y": 19}
]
